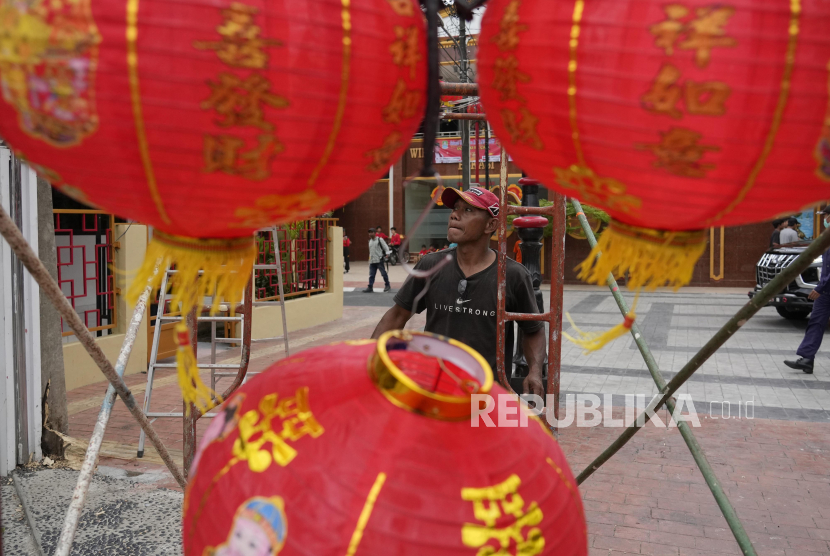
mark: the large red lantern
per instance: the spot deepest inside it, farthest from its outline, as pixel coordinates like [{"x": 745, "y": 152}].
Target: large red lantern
[
  {"x": 671, "y": 116},
  {"x": 210, "y": 119},
  {"x": 367, "y": 448}
]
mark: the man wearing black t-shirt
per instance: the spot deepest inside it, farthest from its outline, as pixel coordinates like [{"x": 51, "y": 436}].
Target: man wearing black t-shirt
[{"x": 461, "y": 300}]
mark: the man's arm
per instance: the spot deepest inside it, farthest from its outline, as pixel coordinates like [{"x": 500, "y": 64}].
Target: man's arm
[
  {"x": 534, "y": 349},
  {"x": 394, "y": 319}
]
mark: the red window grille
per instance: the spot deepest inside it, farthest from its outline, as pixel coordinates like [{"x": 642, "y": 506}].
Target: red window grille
[
  {"x": 86, "y": 267},
  {"x": 303, "y": 250}
]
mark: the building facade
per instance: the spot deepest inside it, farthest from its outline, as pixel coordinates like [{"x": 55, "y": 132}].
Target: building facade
[{"x": 729, "y": 260}]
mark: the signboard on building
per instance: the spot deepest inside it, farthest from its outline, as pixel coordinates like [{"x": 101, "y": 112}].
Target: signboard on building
[{"x": 448, "y": 150}]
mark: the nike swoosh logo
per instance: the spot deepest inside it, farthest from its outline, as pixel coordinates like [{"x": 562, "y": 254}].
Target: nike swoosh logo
[{"x": 460, "y": 301}]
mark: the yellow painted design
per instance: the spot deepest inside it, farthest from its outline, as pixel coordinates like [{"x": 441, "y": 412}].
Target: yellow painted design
[
  {"x": 680, "y": 153},
  {"x": 490, "y": 504},
  {"x": 138, "y": 116},
  {"x": 561, "y": 474},
  {"x": 345, "y": 70},
  {"x": 382, "y": 156},
  {"x": 576, "y": 22},
  {"x": 257, "y": 428},
  {"x": 359, "y": 342},
  {"x": 365, "y": 514},
  {"x": 405, "y": 49},
  {"x": 48, "y": 62},
  {"x": 275, "y": 209},
  {"x": 701, "y": 33},
  {"x": 240, "y": 45},
  {"x": 596, "y": 190},
  {"x": 402, "y": 7},
  {"x": 783, "y": 96},
  {"x": 721, "y": 249}
]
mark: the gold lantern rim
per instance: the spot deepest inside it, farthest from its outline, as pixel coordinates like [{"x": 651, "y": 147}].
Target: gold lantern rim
[{"x": 407, "y": 394}]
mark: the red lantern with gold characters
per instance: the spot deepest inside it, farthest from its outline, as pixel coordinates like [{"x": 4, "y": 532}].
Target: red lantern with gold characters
[
  {"x": 670, "y": 116},
  {"x": 368, "y": 448},
  {"x": 210, "y": 119}
]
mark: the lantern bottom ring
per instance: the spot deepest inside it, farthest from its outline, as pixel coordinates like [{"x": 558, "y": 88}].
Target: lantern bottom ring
[{"x": 406, "y": 393}]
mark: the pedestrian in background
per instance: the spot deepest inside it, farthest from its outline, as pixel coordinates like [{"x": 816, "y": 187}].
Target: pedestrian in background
[
  {"x": 346, "y": 244},
  {"x": 378, "y": 252},
  {"x": 789, "y": 234},
  {"x": 778, "y": 224},
  {"x": 379, "y": 233},
  {"x": 818, "y": 318}
]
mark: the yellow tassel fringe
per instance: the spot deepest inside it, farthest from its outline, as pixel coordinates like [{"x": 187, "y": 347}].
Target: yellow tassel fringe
[
  {"x": 225, "y": 266},
  {"x": 651, "y": 258},
  {"x": 194, "y": 391},
  {"x": 592, "y": 341}
]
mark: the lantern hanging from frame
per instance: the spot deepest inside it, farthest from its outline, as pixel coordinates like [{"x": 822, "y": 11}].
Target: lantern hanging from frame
[
  {"x": 210, "y": 120},
  {"x": 367, "y": 448},
  {"x": 672, "y": 117}
]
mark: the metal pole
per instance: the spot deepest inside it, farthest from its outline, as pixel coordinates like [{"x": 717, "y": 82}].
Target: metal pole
[
  {"x": 21, "y": 401},
  {"x": 73, "y": 514},
  {"x": 557, "y": 281},
  {"x": 501, "y": 372},
  {"x": 685, "y": 430},
  {"x": 18, "y": 244},
  {"x": 465, "y": 125},
  {"x": 455, "y": 89}
]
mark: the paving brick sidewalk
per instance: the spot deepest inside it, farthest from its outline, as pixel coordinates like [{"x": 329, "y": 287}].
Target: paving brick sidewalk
[{"x": 650, "y": 498}]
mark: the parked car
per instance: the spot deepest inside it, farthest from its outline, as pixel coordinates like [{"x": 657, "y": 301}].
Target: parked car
[{"x": 792, "y": 303}]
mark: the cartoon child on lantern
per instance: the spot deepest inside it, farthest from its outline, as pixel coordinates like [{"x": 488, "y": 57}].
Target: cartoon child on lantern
[{"x": 259, "y": 529}]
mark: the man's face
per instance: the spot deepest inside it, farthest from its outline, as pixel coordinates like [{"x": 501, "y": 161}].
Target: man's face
[
  {"x": 468, "y": 223},
  {"x": 782, "y": 225},
  {"x": 371, "y": 235}
]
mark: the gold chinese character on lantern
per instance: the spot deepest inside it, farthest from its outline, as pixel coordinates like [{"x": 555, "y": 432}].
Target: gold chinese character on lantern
[
  {"x": 706, "y": 98},
  {"x": 223, "y": 153},
  {"x": 403, "y": 104},
  {"x": 680, "y": 153},
  {"x": 280, "y": 208},
  {"x": 702, "y": 32},
  {"x": 240, "y": 101},
  {"x": 509, "y": 28},
  {"x": 507, "y": 78},
  {"x": 382, "y": 156},
  {"x": 517, "y": 536},
  {"x": 240, "y": 46},
  {"x": 597, "y": 190},
  {"x": 404, "y": 49},
  {"x": 522, "y": 127},
  {"x": 257, "y": 429}
]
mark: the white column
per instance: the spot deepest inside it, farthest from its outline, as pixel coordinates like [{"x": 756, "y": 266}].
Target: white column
[{"x": 391, "y": 200}]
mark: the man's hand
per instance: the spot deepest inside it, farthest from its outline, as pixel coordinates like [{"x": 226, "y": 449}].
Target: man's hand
[
  {"x": 813, "y": 295},
  {"x": 533, "y": 384}
]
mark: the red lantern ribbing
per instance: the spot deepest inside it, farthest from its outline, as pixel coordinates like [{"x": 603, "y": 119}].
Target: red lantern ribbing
[
  {"x": 209, "y": 120},
  {"x": 672, "y": 117},
  {"x": 367, "y": 448}
]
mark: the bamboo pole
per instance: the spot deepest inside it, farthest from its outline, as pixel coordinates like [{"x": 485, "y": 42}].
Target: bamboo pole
[{"x": 698, "y": 454}]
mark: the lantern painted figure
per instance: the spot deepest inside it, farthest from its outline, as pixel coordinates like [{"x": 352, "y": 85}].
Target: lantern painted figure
[
  {"x": 368, "y": 448},
  {"x": 210, "y": 120},
  {"x": 671, "y": 116}
]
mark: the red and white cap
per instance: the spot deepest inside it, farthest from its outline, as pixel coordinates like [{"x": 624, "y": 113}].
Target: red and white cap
[{"x": 476, "y": 196}]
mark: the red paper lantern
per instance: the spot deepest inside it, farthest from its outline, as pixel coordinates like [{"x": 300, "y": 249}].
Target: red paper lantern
[
  {"x": 210, "y": 119},
  {"x": 322, "y": 455},
  {"x": 671, "y": 116}
]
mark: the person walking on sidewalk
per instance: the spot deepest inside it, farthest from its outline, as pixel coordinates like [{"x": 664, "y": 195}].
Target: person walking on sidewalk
[
  {"x": 378, "y": 251},
  {"x": 818, "y": 318},
  {"x": 346, "y": 244}
]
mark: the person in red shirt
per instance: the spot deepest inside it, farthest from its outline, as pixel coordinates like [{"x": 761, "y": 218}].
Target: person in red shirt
[
  {"x": 423, "y": 250},
  {"x": 379, "y": 233},
  {"x": 346, "y": 243},
  {"x": 395, "y": 240}
]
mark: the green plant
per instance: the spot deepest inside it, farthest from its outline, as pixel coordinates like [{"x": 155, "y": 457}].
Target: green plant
[{"x": 599, "y": 214}]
